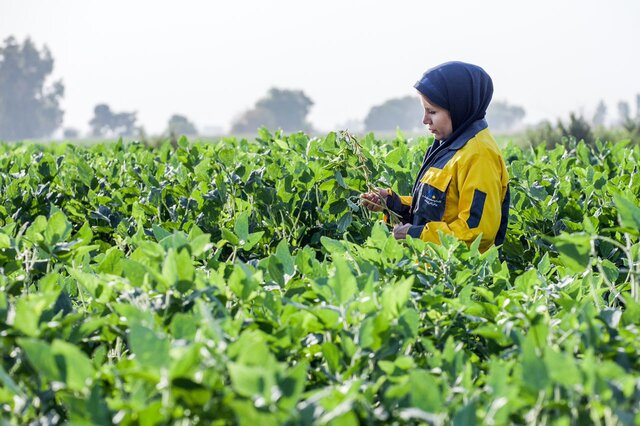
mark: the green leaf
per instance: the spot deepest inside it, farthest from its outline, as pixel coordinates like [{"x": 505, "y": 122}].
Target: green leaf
[
  {"x": 241, "y": 227},
  {"x": 41, "y": 357},
  {"x": 292, "y": 385},
  {"x": 78, "y": 370},
  {"x": 184, "y": 326},
  {"x": 252, "y": 381},
  {"x": 110, "y": 262},
  {"x": 253, "y": 239},
  {"x": 150, "y": 349},
  {"x": 466, "y": 416},
  {"x": 395, "y": 297},
  {"x": 574, "y": 250},
  {"x": 178, "y": 270},
  {"x": 535, "y": 375},
  {"x": 344, "y": 222},
  {"x": 9, "y": 383},
  {"x": 333, "y": 246},
  {"x": 227, "y": 156},
  {"x": 29, "y": 310},
  {"x": 160, "y": 233},
  {"x": 285, "y": 258},
  {"x": 562, "y": 368},
  {"x": 425, "y": 392},
  {"x": 230, "y": 236},
  {"x": 332, "y": 355},
  {"x": 629, "y": 213},
  {"x": 5, "y": 241},
  {"x": 58, "y": 229},
  {"x": 343, "y": 282},
  {"x": 37, "y": 229},
  {"x": 340, "y": 180},
  {"x": 200, "y": 244}
]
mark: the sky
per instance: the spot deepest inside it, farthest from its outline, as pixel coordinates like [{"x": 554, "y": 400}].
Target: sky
[{"x": 212, "y": 60}]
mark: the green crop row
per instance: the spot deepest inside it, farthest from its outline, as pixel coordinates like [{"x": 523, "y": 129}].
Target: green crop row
[{"x": 241, "y": 283}]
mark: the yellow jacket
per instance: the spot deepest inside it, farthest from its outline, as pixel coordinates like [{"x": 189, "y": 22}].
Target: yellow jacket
[{"x": 462, "y": 190}]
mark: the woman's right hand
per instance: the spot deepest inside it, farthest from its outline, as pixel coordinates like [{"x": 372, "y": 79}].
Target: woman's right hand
[{"x": 375, "y": 200}]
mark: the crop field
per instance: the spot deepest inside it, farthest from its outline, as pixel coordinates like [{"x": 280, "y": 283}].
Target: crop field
[{"x": 240, "y": 282}]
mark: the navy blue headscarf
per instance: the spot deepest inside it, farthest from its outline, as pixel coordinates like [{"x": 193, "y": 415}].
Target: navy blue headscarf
[{"x": 463, "y": 89}]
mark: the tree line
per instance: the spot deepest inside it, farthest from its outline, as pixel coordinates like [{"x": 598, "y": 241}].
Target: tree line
[{"x": 30, "y": 107}]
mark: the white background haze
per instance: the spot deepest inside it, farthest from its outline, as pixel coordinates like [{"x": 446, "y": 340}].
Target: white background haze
[{"x": 211, "y": 60}]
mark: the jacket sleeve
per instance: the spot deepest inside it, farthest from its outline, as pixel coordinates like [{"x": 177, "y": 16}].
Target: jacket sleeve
[
  {"x": 401, "y": 205},
  {"x": 481, "y": 184}
]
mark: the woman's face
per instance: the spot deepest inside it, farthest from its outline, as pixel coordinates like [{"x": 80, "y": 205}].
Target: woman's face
[{"x": 438, "y": 119}]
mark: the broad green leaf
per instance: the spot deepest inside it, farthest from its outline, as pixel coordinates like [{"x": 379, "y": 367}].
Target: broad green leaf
[
  {"x": 5, "y": 241},
  {"x": 160, "y": 233},
  {"x": 77, "y": 370},
  {"x": 252, "y": 240},
  {"x": 425, "y": 392},
  {"x": 41, "y": 357},
  {"x": 629, "y": 213},
  {"x": 200, "y": 244},
  {"x": 292, "y": 383},
  {"x": 342, "y": 281},
  {"x": 535, "y": 375},
  {"x": 178, "y": 270},
  {"x": 285, "y": 258},
  {"x": 331, "y": 354},
  {"x": 333, "y": 246},
  {"x": 151, "y": 350},
  {"x": 230, "y": 236},
  {"x": 58, "y": 228},
  {"x": 29, "y": 310},
  {"x": 395, "y": 297},
  {"x": 252, "y": 381},
  {"x": 466, "y": 416},
  {"x": 340, "y": 180},
  {"x": 241, "y": 227},
  {"x": 562, "y": 368},
  {"x": 8, "y": 383},
  {"x": 574, "y": 251}
]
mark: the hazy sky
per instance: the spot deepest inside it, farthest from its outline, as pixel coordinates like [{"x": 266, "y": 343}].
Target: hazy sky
[{"x": 211, "y": 60}]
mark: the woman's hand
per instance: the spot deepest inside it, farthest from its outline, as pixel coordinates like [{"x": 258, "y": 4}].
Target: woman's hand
[
  {"x": 375, "y": 200},
  {"x": 400, "y": 231}
]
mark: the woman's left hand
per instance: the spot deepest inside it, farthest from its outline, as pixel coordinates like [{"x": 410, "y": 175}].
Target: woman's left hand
[{"x": 400, "y": 231}]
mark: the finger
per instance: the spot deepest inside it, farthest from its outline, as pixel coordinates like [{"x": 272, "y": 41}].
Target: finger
[
  {"x": 373, "y": 199},
  {"x": 371, "y": 206}
]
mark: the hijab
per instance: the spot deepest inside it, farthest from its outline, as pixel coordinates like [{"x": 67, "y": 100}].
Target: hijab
[{"x": 463, "y": 89}]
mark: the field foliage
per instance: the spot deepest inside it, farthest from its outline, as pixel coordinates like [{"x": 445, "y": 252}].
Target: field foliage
[{"x": 241, "y": 282}]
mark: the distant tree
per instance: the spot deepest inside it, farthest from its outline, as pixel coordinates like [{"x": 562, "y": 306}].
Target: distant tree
[
  {"x": 503, "y": 117},
  {"x": 577, "y": 128},
  {"x": 405, "y": 113},
  {"x": 28, "y": 108},
  {"x": 546, "y": 133},
  {"x": 70, "y": 133},
  {"x": 600, "y": 115},
  {"x": 624, "y": 112},
  {"x": 106, "y": 123},
  {"x": 180, "y": 125},
  {"x": 284, "y": 108},
  {"x": 253, "y": 119},
  {"x": 638, "y": 107}
]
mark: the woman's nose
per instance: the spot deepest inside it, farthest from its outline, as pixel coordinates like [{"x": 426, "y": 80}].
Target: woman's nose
[{"x": 425, "y": 119}]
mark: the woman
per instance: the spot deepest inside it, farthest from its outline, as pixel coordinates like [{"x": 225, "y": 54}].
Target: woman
[{"x": 462, "y": 187}]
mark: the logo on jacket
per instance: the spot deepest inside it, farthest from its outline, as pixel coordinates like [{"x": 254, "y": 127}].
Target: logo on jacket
[{"x": 433, "y": 201}]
